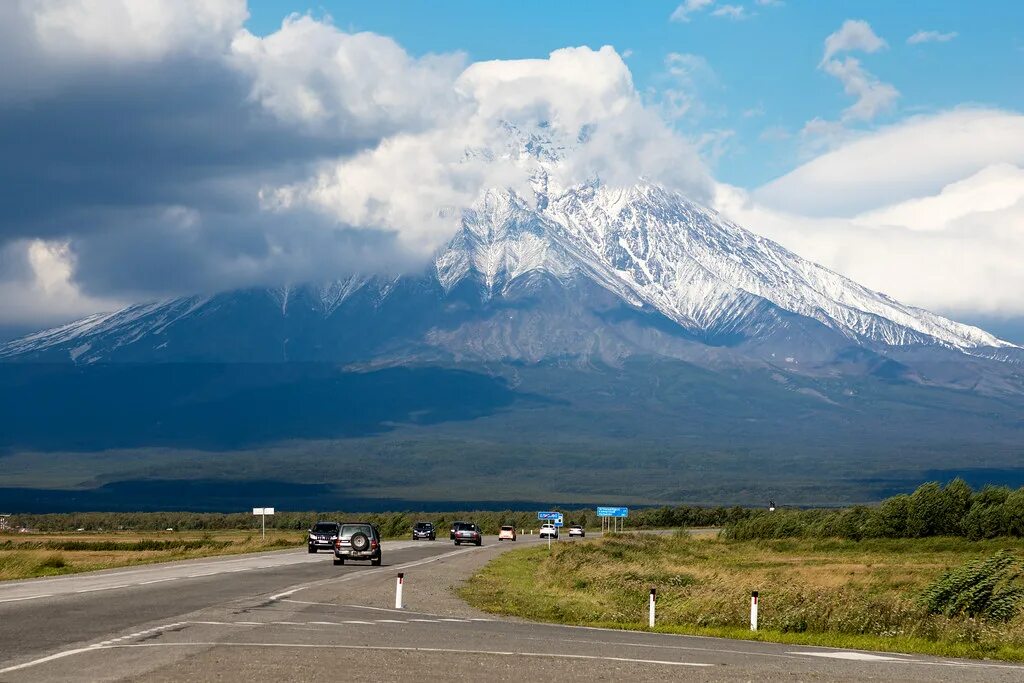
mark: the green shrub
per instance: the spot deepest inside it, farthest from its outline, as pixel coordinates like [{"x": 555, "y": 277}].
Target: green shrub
[{"x": 983, "y": 588}]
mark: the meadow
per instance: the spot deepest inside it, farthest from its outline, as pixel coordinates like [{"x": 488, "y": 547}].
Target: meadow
[
  {"x": 30, "y": 555},
  {"x": 868, "y": 594}
]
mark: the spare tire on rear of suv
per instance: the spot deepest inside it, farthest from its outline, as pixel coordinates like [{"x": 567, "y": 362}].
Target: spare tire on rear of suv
[{"x": 360, "y": 542}]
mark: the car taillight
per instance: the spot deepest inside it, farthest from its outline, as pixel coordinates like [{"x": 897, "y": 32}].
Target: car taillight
[
  {"x": 373, "y": 544},
  {"x": 337, "y": 543}
]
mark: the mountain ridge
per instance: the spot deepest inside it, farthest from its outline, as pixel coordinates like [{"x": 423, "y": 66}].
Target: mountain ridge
[{"x": 652, "y": 249}]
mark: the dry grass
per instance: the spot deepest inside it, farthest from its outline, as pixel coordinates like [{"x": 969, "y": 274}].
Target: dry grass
[
  {"x": 826, "y": 592},
  {"x": 25, "y": 556}
]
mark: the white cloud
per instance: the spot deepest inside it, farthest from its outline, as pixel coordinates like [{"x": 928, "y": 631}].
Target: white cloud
[
  {"x": 931, "y": 37},
  {"x": 688, "y": 7},
  {"x": 48, "y": 294},
  {"x": 351, "y": 84},
  {"x": 873, "y": 96},
  {"x": 734, "y": 12},
  {"x": 133, "y": 29},
  {"x": 853, "y": 35},
  {"x": 415, "y": 183},
  {"x": 930, "y": 211},
  {"x": 914, "y": 158},
  {"x": 54, "y": 42}
]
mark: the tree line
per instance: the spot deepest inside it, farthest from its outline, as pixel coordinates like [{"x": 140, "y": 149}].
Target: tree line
[
  {"x": 392, "y": 524},
  {"x": 931, "y": 510}
]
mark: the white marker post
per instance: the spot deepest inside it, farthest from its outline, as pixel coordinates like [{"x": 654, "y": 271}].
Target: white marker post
[
  {"x": 398, "y": 591},
  {"x": 650, "y": 615},
  {"x": 753, "y": 610}
]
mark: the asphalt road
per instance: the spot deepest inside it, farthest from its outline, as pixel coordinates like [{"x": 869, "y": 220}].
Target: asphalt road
[{"x": 294, "y": 616}]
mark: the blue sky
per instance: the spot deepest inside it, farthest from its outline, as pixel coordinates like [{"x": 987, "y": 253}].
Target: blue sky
[{"x": 763, "y": 70}]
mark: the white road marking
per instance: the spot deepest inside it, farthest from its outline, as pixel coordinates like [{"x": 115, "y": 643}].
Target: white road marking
[
  {"x": 384, "y": 648},
  {"x": 102, "y": 588},
  {"x": 427, "y": 621},
  {"x": 43, "y": 660},
  {"x": 27, "y": 597},
  {"x": 852, "y": 656},
  {"x": 146, "y": 583},
  {"x": 390, "y": 621}
]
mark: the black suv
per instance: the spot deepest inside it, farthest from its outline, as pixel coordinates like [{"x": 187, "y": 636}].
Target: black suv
[
  {"x": 322, "y": 535},
  {"x": 357, "y": 541},
  {"x": 423, "y": 530}
]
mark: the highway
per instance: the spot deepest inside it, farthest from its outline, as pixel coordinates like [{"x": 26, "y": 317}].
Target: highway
[{"x": 290, "y": 615}]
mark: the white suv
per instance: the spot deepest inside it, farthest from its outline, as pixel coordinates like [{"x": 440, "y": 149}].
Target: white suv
[{"x": 548, "y": 531}]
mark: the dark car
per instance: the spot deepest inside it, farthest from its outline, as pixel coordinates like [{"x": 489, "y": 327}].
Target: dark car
[
  {"x": 357, "y": 541},
  {"x": 467, "y": 532},
  {"x": 322, "y": 536},
  {"x": 423, "y": 530}
]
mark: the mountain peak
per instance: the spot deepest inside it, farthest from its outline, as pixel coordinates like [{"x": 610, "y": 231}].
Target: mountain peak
[{"x": 646, "y": 247}]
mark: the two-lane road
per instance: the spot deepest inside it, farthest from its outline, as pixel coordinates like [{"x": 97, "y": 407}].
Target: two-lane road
[
  {"x": 38, "y": 616},
  {"x": 293, "y": 616}
]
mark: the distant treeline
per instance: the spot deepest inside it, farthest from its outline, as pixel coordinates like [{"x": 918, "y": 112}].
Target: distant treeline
[
  {"x": 931, "y": 510},
  {"x": 392, "y": 524}
]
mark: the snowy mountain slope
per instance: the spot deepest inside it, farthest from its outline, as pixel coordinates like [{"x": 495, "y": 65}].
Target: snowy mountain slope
[{"x": 648, "y": 249}]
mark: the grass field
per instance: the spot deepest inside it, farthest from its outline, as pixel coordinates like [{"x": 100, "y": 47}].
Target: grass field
[
  {"x": 24, "y": 556},
  {"x": 837, "y": 593}
]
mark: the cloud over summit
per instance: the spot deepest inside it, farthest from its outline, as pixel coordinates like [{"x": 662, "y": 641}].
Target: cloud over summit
[{"x": 161, "y": 147}]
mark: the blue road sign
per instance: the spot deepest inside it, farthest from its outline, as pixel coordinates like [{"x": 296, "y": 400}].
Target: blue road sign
[
  {"x": 612, "y": 512},
  {"x": 549, "y": 515}
]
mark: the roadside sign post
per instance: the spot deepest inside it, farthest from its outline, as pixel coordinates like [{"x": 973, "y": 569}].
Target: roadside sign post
[
  {"x": 554, "y": 518},
  {"x": 263, "y": 512},
  {"x": 650, "y": 613},
  {"x": 398, "y": 591},
  {"x": 610, "y": 517}
]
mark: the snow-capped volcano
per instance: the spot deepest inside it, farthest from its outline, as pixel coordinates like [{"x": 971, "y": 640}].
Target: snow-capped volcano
[
  {"x": 646, "y": 248},
  {"x": 554, "y": 270}
]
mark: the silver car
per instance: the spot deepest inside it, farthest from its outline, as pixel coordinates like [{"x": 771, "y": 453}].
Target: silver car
[{"x": 358, "y": 541}]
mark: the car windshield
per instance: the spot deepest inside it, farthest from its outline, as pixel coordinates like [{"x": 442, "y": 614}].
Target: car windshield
[
  {"x": 423, "y": 525},
  {"x": 462, "y": 526},
  {"x": 325, "y": 527},
  {"x": 348, "y": 529},
  {"x": 506, "y": 528}
]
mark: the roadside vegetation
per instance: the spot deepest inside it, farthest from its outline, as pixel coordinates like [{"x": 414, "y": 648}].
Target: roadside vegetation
[
  {"x": 57, "y": 544},
  {"x": 392, "y": 524},
  {"x": 24, "y": 556},
  {"x": 931, "y": 510},
  {"x": 910, "y": 575}
]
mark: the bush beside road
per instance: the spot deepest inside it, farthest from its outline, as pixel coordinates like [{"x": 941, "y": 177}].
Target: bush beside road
[{"x": 840, "y": 593}]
